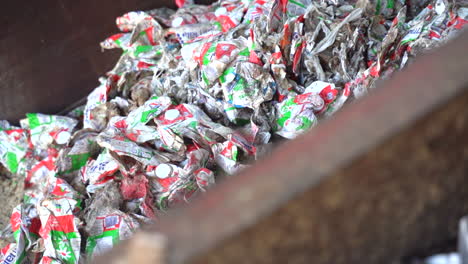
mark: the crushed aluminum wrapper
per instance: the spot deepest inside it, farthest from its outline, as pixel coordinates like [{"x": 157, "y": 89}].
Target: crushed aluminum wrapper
[{"x": 199, "y": 93}]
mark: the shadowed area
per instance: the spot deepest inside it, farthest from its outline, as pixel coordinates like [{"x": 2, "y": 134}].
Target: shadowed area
[{"x": 49, "y": 51}]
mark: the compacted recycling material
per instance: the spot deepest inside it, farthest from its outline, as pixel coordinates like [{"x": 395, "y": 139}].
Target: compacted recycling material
[{"x": 197, "y": 95}]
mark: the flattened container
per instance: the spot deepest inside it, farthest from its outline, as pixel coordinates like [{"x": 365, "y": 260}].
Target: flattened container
[{"x": 384, "y": 178}]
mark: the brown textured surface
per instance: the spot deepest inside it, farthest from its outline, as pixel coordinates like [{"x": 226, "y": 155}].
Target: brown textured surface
[
  {"x": 49, "y": 51},
  {"x": 402, "y": 198},
  {"x": 11, "y": 193}
]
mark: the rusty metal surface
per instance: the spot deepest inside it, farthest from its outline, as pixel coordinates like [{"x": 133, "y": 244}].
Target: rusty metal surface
[{"x": 258, "y": 197}]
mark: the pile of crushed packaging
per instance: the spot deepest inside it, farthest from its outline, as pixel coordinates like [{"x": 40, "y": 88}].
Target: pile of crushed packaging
[{"x": 197, "y": 94}]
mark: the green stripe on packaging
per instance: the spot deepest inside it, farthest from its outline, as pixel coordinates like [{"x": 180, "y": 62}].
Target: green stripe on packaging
[
  {"x": 378, "y": 7},
  {"x": 79, "y": 160},
  {"x": 142, "y": 48},
  {"x": 12, "y": 162},
  {"x": 390, "y": 3},
  {"x": 297, "y": 3},
  {"x": 244, "y": 52},
  {"x": 92, "y": 241},
  {"x": 33, "y": 120}
]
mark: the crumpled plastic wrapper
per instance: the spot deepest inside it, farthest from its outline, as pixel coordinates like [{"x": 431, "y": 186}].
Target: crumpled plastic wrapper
[
  {"x": 198, "y": 94},
  {"x": 108, "y": 228}
]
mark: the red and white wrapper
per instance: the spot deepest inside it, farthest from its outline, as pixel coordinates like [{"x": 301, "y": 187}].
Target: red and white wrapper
[
  {"x": 8, "y": 254},
  {"x": 204, "y": 178},
  {"x": 97, "y": 173},
  {"x": 226, "y": 157},
  {"x": 97, "y": 97},
  {"x": 128, "y": 21},
  {"x": 325, "y": 90},
  {"x": 59, "y": 229}
]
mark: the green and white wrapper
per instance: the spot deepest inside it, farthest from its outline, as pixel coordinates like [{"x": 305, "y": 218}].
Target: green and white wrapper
[
  {"x": 295, "y": 8},
  {"x": 297, "y": 114},
  {"x": 13, "y": 147},
  {"x": 109, "y": 228},
  {"x": 72, "y": 159},
  {"x": 214, "y": 57},
  {"x": 134, "y": 125},
  {"x": 48, "y": 129},
  {"x": 247, "y": 84}
]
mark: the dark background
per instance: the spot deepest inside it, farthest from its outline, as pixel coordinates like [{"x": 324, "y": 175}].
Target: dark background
[{"x": 49, "y": 51}]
